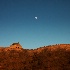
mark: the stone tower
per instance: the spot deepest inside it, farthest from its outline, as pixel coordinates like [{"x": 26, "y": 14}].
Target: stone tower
[{"x": 16, "y": 46}]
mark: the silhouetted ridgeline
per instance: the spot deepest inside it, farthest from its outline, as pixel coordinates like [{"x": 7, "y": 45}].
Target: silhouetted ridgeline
[{"x": 53, "y": 57}]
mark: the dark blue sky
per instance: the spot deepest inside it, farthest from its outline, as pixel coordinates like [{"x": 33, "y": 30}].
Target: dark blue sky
[{"x": 18, "y": 23}]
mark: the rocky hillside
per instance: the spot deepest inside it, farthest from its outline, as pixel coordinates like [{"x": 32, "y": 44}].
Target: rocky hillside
[{"x": 52, "y": 57}]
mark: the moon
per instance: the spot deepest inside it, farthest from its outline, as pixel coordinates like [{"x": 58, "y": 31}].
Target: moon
[{"x": 35, "y": 17}]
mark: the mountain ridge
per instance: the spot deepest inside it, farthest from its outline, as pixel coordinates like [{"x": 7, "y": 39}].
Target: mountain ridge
[{"x": 52, "y": 57}]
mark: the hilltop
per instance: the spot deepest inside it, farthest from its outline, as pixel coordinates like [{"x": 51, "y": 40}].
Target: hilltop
[{"x": 52, "y": 57}]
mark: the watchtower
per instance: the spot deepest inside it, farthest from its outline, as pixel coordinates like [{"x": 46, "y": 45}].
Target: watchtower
[{"x": 15, "y": 46}]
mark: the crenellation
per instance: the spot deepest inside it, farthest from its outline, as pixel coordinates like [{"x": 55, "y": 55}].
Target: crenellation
[{"x": 17, "y": 46}]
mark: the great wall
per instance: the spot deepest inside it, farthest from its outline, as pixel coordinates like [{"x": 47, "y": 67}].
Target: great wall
[
  {"x": 17, "y": 46},
  {"x": 51, "y": 57}
]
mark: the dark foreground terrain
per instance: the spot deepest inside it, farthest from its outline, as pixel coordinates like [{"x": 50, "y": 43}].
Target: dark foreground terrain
[{"x": 58, "y": 59}]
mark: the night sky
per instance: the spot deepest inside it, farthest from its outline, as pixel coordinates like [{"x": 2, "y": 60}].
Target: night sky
[{"x": 18, "y": 23}]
